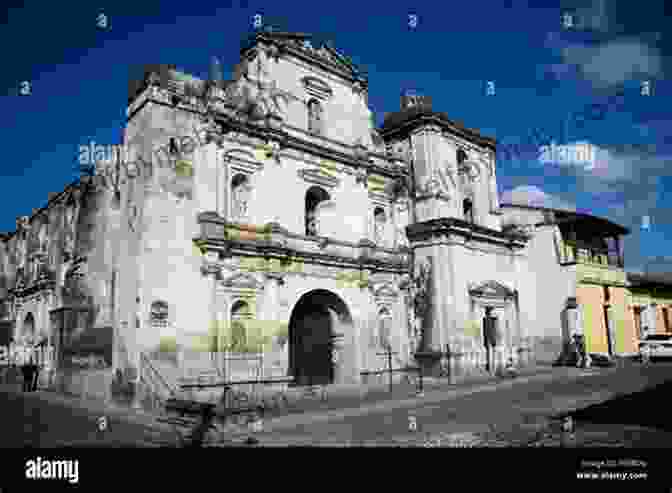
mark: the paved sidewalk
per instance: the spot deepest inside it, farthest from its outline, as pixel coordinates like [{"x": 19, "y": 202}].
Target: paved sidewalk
[{"x": 343, "y": 402}]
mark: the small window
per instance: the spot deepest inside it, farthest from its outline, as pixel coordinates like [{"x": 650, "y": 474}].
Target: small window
[
  {"x": 379, "y": 220},
  {"x": 468, "y": 210},
  {"x": 159, "y": 314},
  {"x": 314, "y": 196},
  {"x": 461, "y": 156},
  {"x": 637, "y": 314},
  {"x": 315, "y": 117},
  {"x": 384, "y": 332},
  {"x": 172, "y": 147},
  {"x": 240, "y": 197},
  {"x": 240, "y": 312},
  {"x": 666, "y": 319}
]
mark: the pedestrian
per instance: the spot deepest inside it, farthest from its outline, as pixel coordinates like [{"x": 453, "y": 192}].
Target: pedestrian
[
  {"x": 37, "y": 361},
  {"x": 27, "y": 372},
  {"x": 35, "y": 374}
]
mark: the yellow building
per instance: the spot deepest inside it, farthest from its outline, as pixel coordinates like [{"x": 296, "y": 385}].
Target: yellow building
[
  {"x": 650, "y": 303},
  {"x": 592, "y": 247}
]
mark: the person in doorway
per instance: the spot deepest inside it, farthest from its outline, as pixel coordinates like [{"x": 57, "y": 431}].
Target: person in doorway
[
  {"x": 37, "y": 363},
  {"x": 27, "y": 371},
  {"x": 35, "y": 374}
]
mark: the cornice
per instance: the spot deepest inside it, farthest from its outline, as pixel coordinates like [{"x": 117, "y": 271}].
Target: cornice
[
  {"x": 432, "y": 122},
  {"x": 451, "y": 227}
]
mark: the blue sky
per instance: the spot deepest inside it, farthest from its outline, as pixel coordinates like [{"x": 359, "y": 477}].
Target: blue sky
[{"x": 542, "y": 74}]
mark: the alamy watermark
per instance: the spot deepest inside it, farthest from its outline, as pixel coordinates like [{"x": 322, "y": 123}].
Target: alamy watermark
[
  {"x": 102, "y": 160},
  {"x": 16, "y": 354},
  {"x": 579, "y": 153},
  {"x": 40, "y": 468}
]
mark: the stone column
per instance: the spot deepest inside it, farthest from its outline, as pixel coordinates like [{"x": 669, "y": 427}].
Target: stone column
[
  {"x": 223, "y": 187},
  {"x": 442, "y": 290},
  {"x": 572, "y": 321},
  {"x": 492, "y": 192}
]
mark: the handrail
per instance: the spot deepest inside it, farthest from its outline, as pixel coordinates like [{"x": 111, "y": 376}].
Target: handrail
[
  {"x": 146, "y": 362},
  {"x": 241, "y": 382}
]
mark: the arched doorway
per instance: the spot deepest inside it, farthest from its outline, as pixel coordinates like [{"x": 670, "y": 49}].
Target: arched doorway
[
  {"x": 29, "y": 325},
  {"x": 316, "y": 319}
]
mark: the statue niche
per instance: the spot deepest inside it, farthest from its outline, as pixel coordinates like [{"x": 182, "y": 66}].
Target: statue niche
[{"x": 422, "y": 302}]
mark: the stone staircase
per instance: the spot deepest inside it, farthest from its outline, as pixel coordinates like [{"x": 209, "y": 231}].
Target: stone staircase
[{"x": 159, "y": 381}]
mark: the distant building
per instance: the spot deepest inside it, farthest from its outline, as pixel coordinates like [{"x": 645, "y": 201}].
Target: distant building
[
  {"x": 651, "y": 303},
  {"x": 581, "y": 282}
]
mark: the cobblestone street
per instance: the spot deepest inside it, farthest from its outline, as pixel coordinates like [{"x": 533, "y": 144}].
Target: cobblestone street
[
  {"x": 513, "y": 414},
  {"x": 519, "y": 412}
]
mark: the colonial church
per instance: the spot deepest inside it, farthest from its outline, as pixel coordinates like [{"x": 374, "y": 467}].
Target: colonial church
[{"x": 273, "y": 217}]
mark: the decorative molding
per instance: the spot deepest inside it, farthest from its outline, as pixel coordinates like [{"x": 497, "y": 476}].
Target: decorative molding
[
  {"x": 242, "y": 160},
  {"x": 384, "y": 290},
  {"x": 380, "y": 198},
  {"x": 316, "y": 87},
  {"x": 242, "y": 280},
  {"x": 491, "y": 289},
  {"x": 318, "y": 177}
]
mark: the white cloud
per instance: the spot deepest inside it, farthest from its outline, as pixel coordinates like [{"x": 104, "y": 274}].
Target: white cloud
[
  {"x": 532, "y": 196},
  {"x": 616, "y": 62},
  {"x": 594, "y": 16},
  {"x": 611, "y": 61}
]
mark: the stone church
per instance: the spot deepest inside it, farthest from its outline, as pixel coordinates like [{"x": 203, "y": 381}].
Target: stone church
[{"x": 267, "y": 214}]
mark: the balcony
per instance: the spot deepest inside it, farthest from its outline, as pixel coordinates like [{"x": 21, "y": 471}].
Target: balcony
[
  {"x": 573, "y": 253},
  {"x": 600, "y": 274}
]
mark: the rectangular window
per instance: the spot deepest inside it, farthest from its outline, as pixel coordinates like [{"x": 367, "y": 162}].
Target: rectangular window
[
  {"x": 613, "y": 252},
  {"x": 637, "y": 315},
  {"x": 666, "y": 319}
]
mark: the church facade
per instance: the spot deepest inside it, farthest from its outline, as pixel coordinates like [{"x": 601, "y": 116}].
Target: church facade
[{"x": 273, "y": 218}]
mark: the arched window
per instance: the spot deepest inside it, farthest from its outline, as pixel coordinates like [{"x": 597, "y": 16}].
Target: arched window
[
  {"x": 42, "y": 237},
  {"x": 461, "y": 156},
  {"x": 468, "y": 210},
  {"x": 240, "y": 312},
  {"x": 314, "y": 196},
  {"x": 384, "y": 324},
  {"x": 159, "y": 314},
  {"x": 29, "y": 325},
  {"x": 315, "y": 116},
  {"x": 240, "y": 197},
  {"x": 379, "y": 223}
]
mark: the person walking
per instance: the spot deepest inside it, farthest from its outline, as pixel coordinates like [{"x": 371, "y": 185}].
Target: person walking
[
  {"x": 35, "y": 374},
  {"x": 38, "y": 350},
  {"x": 27, "y": 372}
]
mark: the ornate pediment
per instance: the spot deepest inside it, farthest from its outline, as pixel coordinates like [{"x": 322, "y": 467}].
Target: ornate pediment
[
  {"x": 317, "y": 87},
  {"x": 242, "y": 160},
  {"x": 385, "y": 290},
  {"x": 491, "y": 289},
  {"x": 318, "y": 177},
  {"x": 242, "y": 280}
]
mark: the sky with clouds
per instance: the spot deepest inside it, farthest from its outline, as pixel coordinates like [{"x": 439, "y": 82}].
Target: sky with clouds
[{"x": 555, "y": 81}]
